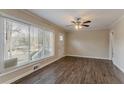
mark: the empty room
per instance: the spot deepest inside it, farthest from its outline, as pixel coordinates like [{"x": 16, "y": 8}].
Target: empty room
[{"x": 61, "y": 46}]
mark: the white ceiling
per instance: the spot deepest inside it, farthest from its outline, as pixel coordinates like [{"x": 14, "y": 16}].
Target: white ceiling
[{"x": 101, "y": 18}]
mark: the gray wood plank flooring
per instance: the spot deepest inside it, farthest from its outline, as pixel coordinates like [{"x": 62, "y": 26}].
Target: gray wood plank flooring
[{"x": 74, "y": 70}]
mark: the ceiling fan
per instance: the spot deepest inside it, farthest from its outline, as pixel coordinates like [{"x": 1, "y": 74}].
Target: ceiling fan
[{"x": 78, "y": 23}]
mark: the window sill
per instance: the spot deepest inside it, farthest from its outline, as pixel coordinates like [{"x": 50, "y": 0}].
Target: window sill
[{"x": 25, "y": 64}]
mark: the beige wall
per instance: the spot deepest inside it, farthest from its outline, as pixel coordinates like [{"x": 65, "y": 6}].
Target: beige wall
[
  {"x": 94, "y": 44},
  {"x": 117, "y": 43},
  {"x": 24, "y": 70}
]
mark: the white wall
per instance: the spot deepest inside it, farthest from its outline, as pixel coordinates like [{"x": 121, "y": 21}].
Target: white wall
[
  {"x": 93, "y": 44},
  {"x": 24, "y": 70},
  {"x": 118, "y": 43}
]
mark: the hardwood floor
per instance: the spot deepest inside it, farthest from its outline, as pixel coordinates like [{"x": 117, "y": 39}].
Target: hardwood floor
[{"x": 73, "y": 70}]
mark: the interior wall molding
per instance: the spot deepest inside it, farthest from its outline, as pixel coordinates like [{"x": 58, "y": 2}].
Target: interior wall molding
[
  {"x": 119, "y": 72},
  {"x": 116, "y": 22},
  {"x": 42, "y": 19},
  {"x": 88, "y": 57}
]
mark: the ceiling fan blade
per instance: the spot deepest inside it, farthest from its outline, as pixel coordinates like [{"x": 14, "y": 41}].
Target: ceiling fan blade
[
  {"x": 87, "y": 21},
  {"x": 73, "y": 22},
  {"x": 86, "y": 25}
]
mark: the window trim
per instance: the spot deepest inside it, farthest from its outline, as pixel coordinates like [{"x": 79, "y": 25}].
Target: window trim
[
  {"x": 30, "y": 62},
  {"x": 15, "y": 68},
  {"x": 2, "y": 45},
  {"x": 3, "y": 15}
]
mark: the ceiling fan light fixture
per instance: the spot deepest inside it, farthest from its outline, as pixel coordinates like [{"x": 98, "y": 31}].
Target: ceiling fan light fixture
[
  {"x": 76, "y": 27},
  {"x": 80, "y": 26}
]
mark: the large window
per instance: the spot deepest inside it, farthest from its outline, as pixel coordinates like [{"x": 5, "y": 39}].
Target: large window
[
  {"x": 34, "y": 48},
  {"x": 16, "y": 41},
  {"x": 25, "y": 43}
]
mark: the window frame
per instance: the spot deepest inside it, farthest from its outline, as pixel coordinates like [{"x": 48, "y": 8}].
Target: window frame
[
  {"x": 1, "y": 45},
  {"x": 30, "y": 62},
  {"x": 20, "y": 23}
]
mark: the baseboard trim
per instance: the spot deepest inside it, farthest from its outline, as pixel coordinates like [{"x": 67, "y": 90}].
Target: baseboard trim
[
  {"x": 88, "y": 57},
  {"x": 120, "y": 68},
  {"x": 29, "y": 72},
  {"x": 120, "y": 73}
]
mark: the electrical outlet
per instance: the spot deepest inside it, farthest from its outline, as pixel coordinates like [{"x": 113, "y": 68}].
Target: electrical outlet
[{"x": 35, "y": 67}]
